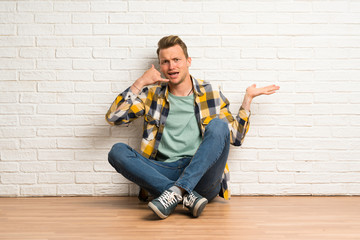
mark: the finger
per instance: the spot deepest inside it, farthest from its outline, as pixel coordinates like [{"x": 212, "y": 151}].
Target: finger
[{"x": 152, "y": 66}]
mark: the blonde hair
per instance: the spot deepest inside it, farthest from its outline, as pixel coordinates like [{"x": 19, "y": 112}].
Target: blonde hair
[{"x": 170, "y": 41}]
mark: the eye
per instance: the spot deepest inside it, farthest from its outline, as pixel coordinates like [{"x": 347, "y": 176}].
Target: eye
[
  {"x": 164, "y": 62},
  {"x": 176, "y": 59}
]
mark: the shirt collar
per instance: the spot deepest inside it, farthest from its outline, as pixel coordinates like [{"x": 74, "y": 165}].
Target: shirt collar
[{"x": 198, "y": 88}]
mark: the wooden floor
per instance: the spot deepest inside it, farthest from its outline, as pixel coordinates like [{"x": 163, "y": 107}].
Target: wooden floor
[{"x": 126, "y": 218}]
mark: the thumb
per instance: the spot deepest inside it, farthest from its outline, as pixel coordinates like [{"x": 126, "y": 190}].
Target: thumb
[{"x": 152, "y": 66}]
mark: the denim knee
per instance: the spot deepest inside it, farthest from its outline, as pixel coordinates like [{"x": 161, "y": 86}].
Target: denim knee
[
  {"x": 218, "y": 128},
  {"x": 115, "y": 152}
]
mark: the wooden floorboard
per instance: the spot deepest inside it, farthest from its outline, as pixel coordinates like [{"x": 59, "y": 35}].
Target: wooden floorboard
[{"x": 242, "y": 218}]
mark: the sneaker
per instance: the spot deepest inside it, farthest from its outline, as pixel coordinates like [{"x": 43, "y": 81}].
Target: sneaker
[
  {"x": 164, "y": 205},
  {"x": 195, "y": 203}
]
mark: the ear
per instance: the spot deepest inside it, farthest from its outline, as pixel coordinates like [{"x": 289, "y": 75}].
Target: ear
[{"x": 188, "y": 61}]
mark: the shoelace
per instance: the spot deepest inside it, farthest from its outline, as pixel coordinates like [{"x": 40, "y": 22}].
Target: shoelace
[
  {"x": 169, "y": 198},
  {"x": 189, "y": 200}
]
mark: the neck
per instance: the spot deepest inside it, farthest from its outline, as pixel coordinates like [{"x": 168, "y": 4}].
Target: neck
[{"x": 182, "y": 89}]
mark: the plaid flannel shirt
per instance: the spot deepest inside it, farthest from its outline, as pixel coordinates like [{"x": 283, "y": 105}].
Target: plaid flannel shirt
[{"x": 153, "y": 104}]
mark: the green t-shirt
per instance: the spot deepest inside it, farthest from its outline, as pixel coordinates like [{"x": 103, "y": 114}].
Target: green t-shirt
[{"x": 181, "y": 136}]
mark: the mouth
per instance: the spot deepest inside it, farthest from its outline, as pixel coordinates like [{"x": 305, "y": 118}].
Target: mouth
[{"x": 173, "y": 74}]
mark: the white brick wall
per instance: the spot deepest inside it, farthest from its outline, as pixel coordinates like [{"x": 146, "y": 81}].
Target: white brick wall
[{"x": 62, "y": 63}]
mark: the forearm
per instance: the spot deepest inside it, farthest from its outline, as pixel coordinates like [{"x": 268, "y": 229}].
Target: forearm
[{"x": 246, "y": 102}]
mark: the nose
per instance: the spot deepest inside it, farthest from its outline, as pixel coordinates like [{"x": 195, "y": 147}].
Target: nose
[{"x": 171, "y": 65}]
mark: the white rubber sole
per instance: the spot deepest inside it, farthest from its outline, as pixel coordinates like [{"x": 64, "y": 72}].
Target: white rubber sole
[{"x": 156, "y": 211}]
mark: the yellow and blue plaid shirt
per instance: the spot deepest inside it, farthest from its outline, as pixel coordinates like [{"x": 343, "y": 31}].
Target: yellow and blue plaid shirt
[{"x": 153, "y": 104}]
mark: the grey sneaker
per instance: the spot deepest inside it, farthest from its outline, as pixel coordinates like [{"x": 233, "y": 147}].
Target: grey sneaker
[
  {"x": 195, "y": 203},
  {"x": 165, "y": 204}
]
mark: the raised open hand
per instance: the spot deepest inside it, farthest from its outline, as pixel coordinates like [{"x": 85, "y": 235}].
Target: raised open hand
[{"x": 253, "y": 91}]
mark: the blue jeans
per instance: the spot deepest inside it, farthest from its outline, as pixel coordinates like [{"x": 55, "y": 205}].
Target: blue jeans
[{"x": 202, "y": 172}]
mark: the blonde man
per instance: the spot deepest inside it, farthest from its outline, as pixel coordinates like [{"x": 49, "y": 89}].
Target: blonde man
[{"x": 187, "y": 132}]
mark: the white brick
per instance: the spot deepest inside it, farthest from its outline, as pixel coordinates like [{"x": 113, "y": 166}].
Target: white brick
[
  {"x": 112, "y": 6},
  {"x": 159, "y": 18},
  {"x": 74, "y": 120},
  {"x": 74, "y": 75},
  {"x": 327, "y": 189},
  {"x": 274, "y": 18},
  {"x": 9, "y": 167},
  {"x": 318, "y": 109},
  {"x": 8, "y": 76},
  {"x": 275, "y": 64},
  {"x": 73, "y": 29},
  {"x": 37, "y": 98},
  {"x": 345, "y": 178},
  {"x": 73, "y": 53},
  {"x": 244, "y": 177},
  {"x": 38, "y": 167},
  {"x": 110, "y": 29},
  {"x": 276, "y": 132},
  {"x": 38, "y": 190},
  {"x": 107, "y": 143},
  {"x": 89, "y": 18},
  {"x": 17, "y": 132},
  {"x": 56, "y": 178},
  {"x": 93, "y": 178},
  {"x": 91, "y": 41},
  {"x": 222, "y": 29},
  {"x": 332, "y": 6},
  {"x": 258, "y": 29},
  {"x": 126, "y": 18},
  {"x": 16, "y": 18},
  {"x": 52, "y": 18},
  {"x": 113, "y": 190},
  {"x": 73, "y": 98},
  {"x": 10, "y": 41},
  {"x": 17, "y": 64},
  {"x": 294, "y": 166},
  {"x": 91, "y": 109},
  {"x": 55, "y": 109},
  {"x": 311, "y": 18},
  {"x": 295, "y": 143},
  {"x": 37, "y": 75},
  {"x": 75, "y": 190},
  {"x": 72, "y": 6},
  {"x": 8, "y": 29},
  {"x": 74, "y": 166},
  {"x": 231, "y": 18},
  {"x": 275, "y": 41},
  {"x": 127, "y": 41},
  {"x": 238, "y": 64},
  {"x": 91, "y": 64},
  {"x": 110, "y": 53},
  {"x": 7, "y": 6},
  {"x": 103, "y": 167},
  {"x": 292, "y": 53},
  {"x": 276, "y": 178},
  {"x": 54, "y": 154},
  {"x": 346, "y": 132},
  {"x": 55, "y": 132},
  {"x": 16, "y": 109},
  {"x": 34, "y": 6},
  {"x": 18, "y": 178},
  {"x": 312, "y": 178},
  {"x": 222, "y": 7},
  {"x": 258, "y": 166},
  {"x": 9, "y": 98},
  {"x": 7, "y": 144},
  {"x": 35, "y": 30},
  {"x": 93, "y": 132},
  {"x": 330, "y": 120},
  {"x": 57, "y": 64},
  {"x": 294, "y": 7},
  {"x": 55, "y": 86},
  {"x": 38, "y": 143},
  {"x": 148, "y": 29},
  {"x": 142, "y": 6},
  {"x": 184, "y": 7},
  {"x": 75, "y": 143},
  {"x": 18, "y": 155},
  {"x": 9, "y": 191},
  {"x": 8, "y": 121},
  {"x": 92, "y": 87},
  {"x": 54, "y": 41}
]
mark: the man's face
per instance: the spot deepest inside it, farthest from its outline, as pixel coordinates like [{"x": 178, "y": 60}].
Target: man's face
[{"x": 174, "y": 65}]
